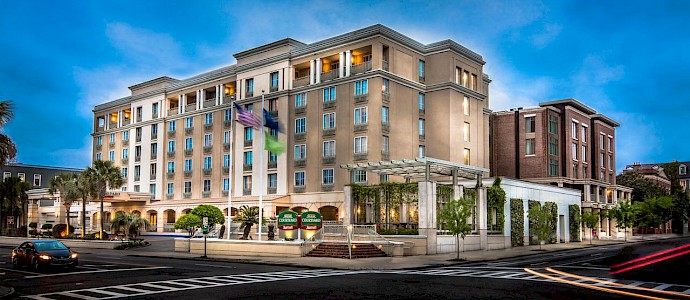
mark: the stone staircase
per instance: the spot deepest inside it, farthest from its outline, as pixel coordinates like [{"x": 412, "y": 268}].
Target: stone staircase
[{"x": 340, "y": 250}]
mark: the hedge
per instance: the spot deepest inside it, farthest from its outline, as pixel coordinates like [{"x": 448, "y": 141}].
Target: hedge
[
  {"x": 517, "y": 226},
  {"x": 533, "y": 240},
  {"x": 574, "y": 222},
  {"x": 497, "y": 199},
  {"x": 553, "y": 208}
]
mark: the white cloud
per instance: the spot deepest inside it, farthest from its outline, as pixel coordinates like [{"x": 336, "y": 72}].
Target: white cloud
[
  {"x": 550, "y": 33},
  {"x": 103, "y": 85},
  {"x": 141, "y": 46},
  {"x": 589, "y": 82},
  {"x": 74, "y": 157}
]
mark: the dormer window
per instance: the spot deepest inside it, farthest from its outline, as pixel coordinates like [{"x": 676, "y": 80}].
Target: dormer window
[{"x": 682, "y": 170}]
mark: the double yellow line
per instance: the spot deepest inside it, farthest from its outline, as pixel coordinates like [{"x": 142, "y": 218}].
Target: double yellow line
[{"x": 604, "y": 282}]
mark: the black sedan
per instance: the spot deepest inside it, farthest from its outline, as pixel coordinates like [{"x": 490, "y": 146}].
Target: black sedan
[{"x": 44, "y": 253}]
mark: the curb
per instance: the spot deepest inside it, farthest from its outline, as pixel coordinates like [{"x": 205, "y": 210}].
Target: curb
[{"x": 6, "y": 291}]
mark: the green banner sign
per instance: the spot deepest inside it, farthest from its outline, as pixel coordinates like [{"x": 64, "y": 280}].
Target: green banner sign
[
  {"x": 287, "y": 220},
  {"x": 311, "y": 220}
]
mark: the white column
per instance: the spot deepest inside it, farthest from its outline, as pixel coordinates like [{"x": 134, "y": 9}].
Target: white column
[
  {"x": 597, "y": 196},
  {"x": 199, "y": 99},
  {"x": 181, "y": 104},
  {"x": 312, "y": 71},
  {"x": 318, "y": 70},
  {"x": 588, "y": 193},
  {"x": 482, "y": 205},
  {"x": 291, "y": 74},
  {"x": 427, "y": 214},
  {"x": 341, "y": 68},
  {"x": 119, "y": 119},
  {"x": 348, "y": 62},
  {"x": 347, "y": 206},
  {"x": 218, "y": 94}
]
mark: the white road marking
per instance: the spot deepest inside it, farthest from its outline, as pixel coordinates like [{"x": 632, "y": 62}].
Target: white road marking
[
  {"x": 19, "y": 271},
  {"x": 109, "y": 257},
  {"x": 96, "y": 271},
  {"x": 215, "y": 266},
  {"x": 581, "y": 267}
]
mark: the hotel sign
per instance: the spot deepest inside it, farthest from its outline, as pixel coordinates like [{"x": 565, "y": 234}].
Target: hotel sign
[
  {"x": 311, "y": 220},
  {"x": 287, "y": 220}
]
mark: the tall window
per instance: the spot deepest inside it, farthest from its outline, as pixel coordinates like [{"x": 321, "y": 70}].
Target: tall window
[
  {"x": 361, "y": 115},
  {"x": 584, "y": 153},
  {"x": 466, "y": 79},
  {"x": 171, "y": 146},
  {"x": 125, "y": 172},
  {"x": 682, "y": 170},
  {"x": 327, "y": 176},
  {"x": 227, "y": 115},
  {"x": 421, "y": 69},
  {"x": 610, "y": 161},
  {"x": 171, "y": 188},
  {"x": 99, "y": 140},
  {"x": 553, "y": 124},
  {"x": 301, "y": 100},
  {"x": 188, "y": 165},
  {"x": 187, "y": 187},
  {"x": 329, "y": 120},
  {"x": 583, "y": 134},
  {"x": 208, "y": 162},
  {"x": 421, "y": 127},
  {"x": 99, "y": 157},
  {"x": 208, "y": 140},
  {"x": 272, "y": 157},
  {"x": 529, "y": 124},
  {"x": 154, "y": 110},
  {"x": 152, "y": 189},
  {"x": 188, "y": 143},
  {"x": 360, "y": 176},
  {"x": 125, "y": 136},
  {"x": 300, "y": 125},
  {"x": 172, "y": 125},
  {"x": 189, "y": 122},
  {"x": 125, "y": 153},
  {"x": 574, "y": 150},
  {"x": 226, "y": 137},
  {"x": 362, "y": 87},
  {"x": 247, "y": 182},
  {"x": 466, "y": 132},
  {"x": 207, "y": 185},
  {"x": 112, "y": 138},
  {"x": 601, "y": 141},
  {"x": 111, "y": 155},
  {"x": 248, "y": 158},
  {"x": 328, "y": 148},
  {"x": 299, "y": 178},
  {"x": 601, "y": 160},
  {"x": 610, "y": 144},
  {"x": 553, "y": 167},
  {"x": 171, "y": 167},
  {"x": 466, "y": 106},
  {"x": 474, "y": 82},
  {"x": 421, "y": 101},
  {"x": 226, "y": 184},
  {"x": 272, "y": 180},
  {"x": 360, "y": 144},
  {"x": 274, "y": 81},
  {"x": 250, "y": 87},
  {"x": 386, "y": 86},
  {"x": 421, "y": 151},
  {"x": 466, "y": 156},
  {"x": 208, "y": 118},
  {"x": 553, "y": 146},
  {"x": 329, "y": 94},
  {"x": 300, "y": 152},
  {"x": 384, "y": 143},
  {"x": 529, "y": 146},
  {"x": 384, "y": 114},
  {"x": 226, "y": 160},
  {"x": 248, "y": 134},
  {"x": 154, "y": 131},
  {"x": 153, "y": 169}
]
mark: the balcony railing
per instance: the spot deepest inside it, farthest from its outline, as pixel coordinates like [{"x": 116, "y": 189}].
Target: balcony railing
[
  {"x": 186, "y": 195},
  {"x": 153, "y": 176},
  {"x": 385, "y": 96},
  {"x": 154, "y": 136},
  {"x": 137, "y": 158},
  {"x": 246, "y": 192},
  {"x": 299, "y": 189},
  {"x": 154, "y": 155},
  {"x": 330, "y": 75},
  {"x": 250, "y": 94},
  {"x": 224, "y": 193},
  {"x": 171, "y": 133},
  {"x": 361, "y": 127},
  {"x": 208, "y": 127},
  {"x": 226, "y": 170},
  {"x": 172, "y": 112},
  {"x": 189, "y": 108},
  {"x": 187, "y": 173},
  {"x": 361, "y": 156},
  {"x": 137, "y": 177},
  {"x": 207, "y": 171},
  {"x": 188, "y": 152},
  {"x": 228, "y": 98},
  {"x": 326, "y": 187},
  {"x": 227, "y": 123},
  {"x": 327, "y": 160},
  {"x": 126, "y": 122},
  {"x": 170, "y": 175},
  {"x": 328, "y": 131},
  {"x": 125, "y": 160},
  {"x": 226, "y": 146},
  {"x": 169, "y": 227},
  {"x": 300, "y": 136},
  {"x": 300, "y": 162},
  {"x": 385, "y": 155},
  {"x": 302, "y": 81},
  {"x": 385, "y": 127},
  {"x": 247, "y": 167},
  {"x": 189, "y": 130},
  {"x": 271, "y": 190},
  {"x": 329, "y": 104},
  {"x": 422, "y": 111},
  {"x": 384, "y": 65},
  {"x": 206, "y": 194},
  {"x": 98, "y": 147},
  {"x": 361, "y": 68},
  {"x": 125, "y": 142},
  {"x": 138, "y": 118},
  {"x": 100, "y": 128},
  {"x": 208, "y": 149},
  {"x": 154, "y": 115},
  {"x": 361, "y": 98},
  {"x": 171, "y": 154},
  {"x": 301, "y": 109},
  {"x": 209, "y": 103},
  {"x": 272, "y": 164},
  {"x": 273, "y": 89},
  {"x": 137, "y": 139},
  {"x": 111, "y": 144},
  {"x": 422, "y": 79},
  {"x": 248, "y": 143},
  {"x": 422, "y": 137},
  {"x": 170, "y": 196}
]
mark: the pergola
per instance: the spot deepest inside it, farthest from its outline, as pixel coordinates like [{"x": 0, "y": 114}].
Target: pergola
[{"x": 420, "y": 167}]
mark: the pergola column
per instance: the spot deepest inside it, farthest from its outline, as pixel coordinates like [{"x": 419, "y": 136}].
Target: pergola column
[{"x": 427, "y": 214}]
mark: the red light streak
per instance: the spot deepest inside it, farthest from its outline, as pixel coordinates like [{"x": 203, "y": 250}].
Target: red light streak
[
  {"x": 651, "y": 262},
  {"x": 650, "y": 256}
]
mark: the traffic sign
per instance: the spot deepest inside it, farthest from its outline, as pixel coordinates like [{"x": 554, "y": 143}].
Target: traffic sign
[
  {"x": 206, "y": 221},
  {"x": 204, "y": 228}
]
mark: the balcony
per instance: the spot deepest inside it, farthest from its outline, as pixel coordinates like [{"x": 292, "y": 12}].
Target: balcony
[
  {"x": 330, "y": 75},
  {"x": 247, "y": 167},
  {"x": 299, "y": 189},
  {"x": 137, "y": 158},
  {"x": 98, "y": 147},
  {"x": 300, "y": 136},
  {"x": 384, "y": 65},
  {"x": 208, "y": 127},
  {"x": 300, "y": 110},
  {"x": 125, "y": 142},
  {"x": 386, "y": 127},
  {"x": 385, "y": 96},
  {"x": 228, "y": 98},
  {"x": 361, "y": 127},
  {"x": 112, "y": 125},
  {"x": 137, "y": 177},
  {"x": 361, "y": 68},
  {"x": 226, "y": 146},
  {"x": 207, "y": 171},
  {"x": 224, "y": 193},
  {"x": 271, "y": 190},
  {"x": 328, "y": 132},
  {"x": 206, "y": 194},
  {"x": 100, "y": 129},
  {"x": 273, "y": 89},
  {"x": 272, "y": 164},
  {"x": 361, "y": 98},
  {"x": 227, "y": 123},
  {"x": 188, "y": 152},
  {"x": 246, "y": 192},
  {"x": 248, "y": 143},
  {"x": 187, "y": 173},
  {"x": 189, "y": 130},
  {"x": 250, "y": 94},
  {"x": 172, "y": 112},
  {"x": 126, "y": 122},
  {"x": 154, "y": 136},
  {"x": 111, "y": 144},
  {"x": 226, "y": 170},
  {"x": 422, "y": 79},
  {"x": 208, "y": 149},
  {"x": 361, "y": 156},
  {"x": 153, "y": 176},
  {"x": 327, "y": 160},
  {"x": 301, "y": 81},
  {"x": 171, "y": 133},
  {"x": 186, "y": 195},
  {"x": 171, "y": 154},
  {"x": 385, "y": 155},
  {"x": 170, "y": 196},
  {"x": 210, "y": 103},
  {"x": 189, "y": 108},
  {"x": 326, "y": 187},
  {"x": 300, "y": 162},
  {"x": 170, "y": 175},
  {"x": 125, "y": 160},
  {"x": 329, "y": 104}
]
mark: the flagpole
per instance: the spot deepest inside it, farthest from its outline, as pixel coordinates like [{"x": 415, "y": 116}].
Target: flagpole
[
  {"x": 261, "y": 168},
  {"x": 230, "y": 166}
]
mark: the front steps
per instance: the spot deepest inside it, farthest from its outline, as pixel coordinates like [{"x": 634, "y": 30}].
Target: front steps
[{"x": 340, "y": 250}]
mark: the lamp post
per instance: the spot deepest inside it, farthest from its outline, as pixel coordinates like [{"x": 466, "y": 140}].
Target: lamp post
[{"x": 349, "y": 240}]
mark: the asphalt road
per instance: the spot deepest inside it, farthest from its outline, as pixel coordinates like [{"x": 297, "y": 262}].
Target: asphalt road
[{"x": 574, "y": 274}]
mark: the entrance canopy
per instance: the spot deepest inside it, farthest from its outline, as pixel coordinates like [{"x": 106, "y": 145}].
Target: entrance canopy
[{"x": 420, "y": 167}]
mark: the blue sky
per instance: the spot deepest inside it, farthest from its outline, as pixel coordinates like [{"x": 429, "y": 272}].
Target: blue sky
[{"x": 626, "y": 59}]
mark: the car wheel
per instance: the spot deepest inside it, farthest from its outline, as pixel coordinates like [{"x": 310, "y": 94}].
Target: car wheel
[
  {"x": 35, "y": 264},
  {"x": 15, "y": 262}
]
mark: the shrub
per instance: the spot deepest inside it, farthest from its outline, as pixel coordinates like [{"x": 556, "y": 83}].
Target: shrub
[
  {"x": 60, "y": 230},
  {"x": 33, "y": 225},
  {"x": 399, "y": 231},
  {"x": 47, "y": 226},
  {"x": 517, "y": 226},
  {"x": 533, "y": 239},
  {"x": 48, "y": 233},
  {"x": 574, "y": 223},
  {"x": 33, "y": 232}
]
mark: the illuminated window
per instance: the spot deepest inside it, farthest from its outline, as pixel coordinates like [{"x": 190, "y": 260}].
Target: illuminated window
[
  {"x": 466, "y": 132},
  {"x": 466, "y": 106},
  {"x": 466, "y": 156}
]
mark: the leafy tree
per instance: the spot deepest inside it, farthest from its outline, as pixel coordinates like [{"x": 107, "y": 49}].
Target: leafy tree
[
  {"x": 8, "y": 150},
  {"x": 66, "y": 185},
  {"x": 681, "y": 200},
  {"x": 454, "y": 216},
  {"x": 129, "y": 223},
  {"x": 643, "y": 188},
  {"x": 497, "y": 200},
  {"x": 214, "y": 214},
  {"x": 13, "y": 196},
  {"x": 85, "y": 188},
  {"x": 624, "y": 213},
  {"x": 542, "y": 219},
  {"x": 247, "y": 217},
  {"x": 591, "y": 221},
  {"x": 103, "y": 175},
  {"x": 653, "y": 212},
  {"x": 189, "y": 222}
]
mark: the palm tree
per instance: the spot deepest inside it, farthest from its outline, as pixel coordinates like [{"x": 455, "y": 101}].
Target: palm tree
[
  {"x": 128, "y": 223},
  {"x": 248, "y": 216},
  {"x": 85, "y": 188},
  {"x": 103, "y": 175},
  {"x": 66, "y": 185},
  {"x": 13, "y": 195},
  {"x": 7, "y": 148}
]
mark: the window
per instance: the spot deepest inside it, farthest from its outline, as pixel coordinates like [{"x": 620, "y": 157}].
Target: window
[
  {"x": 124, "y": 172},
  {"x": 682, "y": 170},
  {"x": 171, "y": 167},
  {"x": 466, "y": 132},
  {"x": 583, "y": 134},
  {"x": 226, "y": 184},
  {"x": 208, "y": 118},
  {"x": 187, "y": 187},
  {"x": 299, "y": 178},
  {"x": 273, "y": 105},
  {"x": 384, "y": 115},
  {"x": 274, "y": 81},
  {"x": 553, "y": 124},
  {"x": 601, "y": 160},
  {"x": 466, "y": 106},
  {"x": 226, "y": 160},
  {"x": 602, "y": 177},
  {"x": 327, "y": 176},
  {"x": 250, "y": 87},
  {"x": 112, "y": 138},
  {"x": 362, "y": 87},
  {"x": 574, "y": 150},
  {"x": 584, "y": 171},
  {"x": 553, "y": 167},
  {"x": 98, "y": 156},
  {"x": 111, "y": 155},
  {"x": 207, "y": 185},
  {"x": 386, "y": 86},
  {"x": 530, "y": 124},
  {"x": 187, "y": 165},
  {"x": 421, "y": 101},
  {"x": 171, "y": 188},
  {"x": 421, "y": 127},
  {"x": 601, "y": 141},
  {"x": 272, "y": 181},
  {"x": 458, "y": 75},
  {"x": 6, "y": 175},
  {"x": 248, "y": 134},
  {"x": 139, "y": 114},
  {"x": 125, "y": 135},
  {"x": 328, "y": 149},
  {"x": 248, "y": 158},
  {"x": 466, "y": 79},
  {"x": 99, "y": 140},
  {"x": 360, "y": 144},
  {"x": 152, "y": 189},
  {"x": 171, "y": 126},
  {"x": 300, "y": 152},
  {"x": 329, "y": 94},
  {"x": 421, "y": 69},
  {"x": 360, "y": 176},
  {"x": 153, "y": 169},
  {"x": 137, "y": 133},
  {"x": 474, "y": 82},
  {"x": 226, "y": 137},
  {"x": 574, "y": 130},
  {"x": 575, "y": 171},
  {"x": 247, "y": 182},
  {"x": 137, "y": 172},
  {"x": 530, "y": 146},
  {"x": 466, "y": 156},
  {"x": 189, "y": 122},
  {"x": 610, "y": 144},
  {"x": 329, "y": 120},
  {"x": 154, "y": 110},
  {"x": 137, "y": 151},
  {"x": 584, "y": 153},
  {"x": 301, "y": 100},
  {"x": 249, "y": 107},
  {"x": 37, "y": 179},
  {"x": 125, "y": 153},
  {"x": 154, "y": 131},
  {"x": 154, "y": 150},
  {"x": 553, "y": 146},
  {"x": 208, "y": 162},
  {"x": 171, "y": 146},
  {"x": 300, "y": 125},
  {"x": 188, "y": 144},
  {"x": 610, "y": 162},
  {"x": 422, "y": 151},
  {"x": 136, "y": 188},
  {"x": 384, "y": 143},
  {"x": 360, "y": 115},
  {"x": 272, "y": 157},
  {"x": 22, "y": 176}
]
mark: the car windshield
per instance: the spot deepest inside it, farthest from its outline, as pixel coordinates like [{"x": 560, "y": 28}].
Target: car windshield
[{"x": 54, "y": 245}]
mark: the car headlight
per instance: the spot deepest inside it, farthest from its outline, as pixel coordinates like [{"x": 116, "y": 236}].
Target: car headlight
[
  {"x": 43, "y": 256},
  {"x": 74, "y": 255}
]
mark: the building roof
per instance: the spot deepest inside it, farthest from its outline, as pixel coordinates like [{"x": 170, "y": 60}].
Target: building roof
[
  {"x": 21, "y": 165},
  {"x": 570, "y": 102}
]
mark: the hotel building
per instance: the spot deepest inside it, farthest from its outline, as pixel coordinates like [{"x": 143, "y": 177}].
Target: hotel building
[{"x": 365, "y": 96}]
